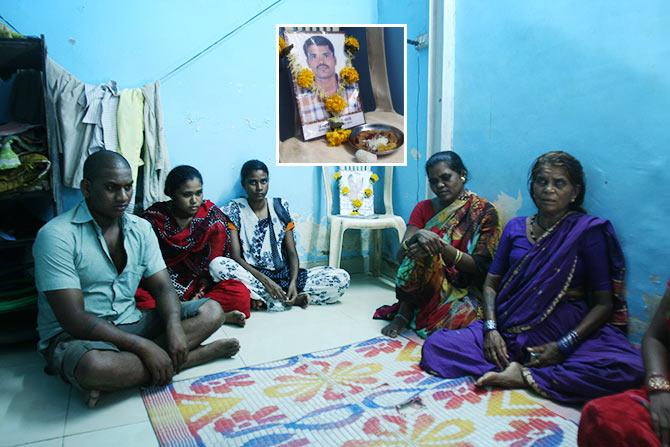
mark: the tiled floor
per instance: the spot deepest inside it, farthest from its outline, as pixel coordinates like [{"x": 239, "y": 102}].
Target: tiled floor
[{"x": 40, "y": 410}]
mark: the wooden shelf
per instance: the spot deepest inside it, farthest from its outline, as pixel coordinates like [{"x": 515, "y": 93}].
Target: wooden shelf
[
  {"x": 21, "y": 54},
  {"x": 4, "y": 244},
  {"x": 16, "y": 194}
]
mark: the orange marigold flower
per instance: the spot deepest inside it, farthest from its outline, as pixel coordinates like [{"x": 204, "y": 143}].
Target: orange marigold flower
[
  {"x": 367, "y": 192},
  {"x": 305, "y": 78},
  {"x": 351, "y": 43},
  {"x": 282, "y": 44},
  {"x": 335, "y": 138},
  {"x": 335, "y": 104},
  {"x": 357, "y": 203},
  {"x": 349, "y": 74}
]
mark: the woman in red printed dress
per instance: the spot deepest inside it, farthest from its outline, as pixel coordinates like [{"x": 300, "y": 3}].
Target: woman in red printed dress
[
  {"x": 638, "y": 417},
  {"x": 191, "y": 232}
]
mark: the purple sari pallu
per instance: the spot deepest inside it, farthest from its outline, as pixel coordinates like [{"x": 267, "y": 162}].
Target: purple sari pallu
[{"x": 535, "y": 305}]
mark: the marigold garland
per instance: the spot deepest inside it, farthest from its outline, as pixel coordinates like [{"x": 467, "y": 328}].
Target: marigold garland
[
  {"x": 356, "y": 202},
  {"x": 351, "y": 44},
  {"x": 305, "y": 78},
  {"x": 335, "y": 104},
  {"x": 336, "y": 137},
  {"x": 349, "y": 75}
]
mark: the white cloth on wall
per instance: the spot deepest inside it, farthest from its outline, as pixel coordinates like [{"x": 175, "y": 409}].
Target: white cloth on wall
[{"x": 154, "y": 150}]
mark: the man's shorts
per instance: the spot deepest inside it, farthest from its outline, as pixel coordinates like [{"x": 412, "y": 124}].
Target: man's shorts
[{"x": 64, "y": 352}]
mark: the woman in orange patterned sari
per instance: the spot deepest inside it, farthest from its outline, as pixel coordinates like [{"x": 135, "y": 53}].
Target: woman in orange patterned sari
[{"x": 445, "y": 254}]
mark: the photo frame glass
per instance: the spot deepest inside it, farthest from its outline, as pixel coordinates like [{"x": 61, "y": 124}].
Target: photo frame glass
[{"x": 324, "y": 54}]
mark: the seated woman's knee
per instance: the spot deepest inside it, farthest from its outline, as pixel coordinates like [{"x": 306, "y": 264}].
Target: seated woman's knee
[
  {"x": 346, "y": 278},
  {"x": 220, "y": 266}
]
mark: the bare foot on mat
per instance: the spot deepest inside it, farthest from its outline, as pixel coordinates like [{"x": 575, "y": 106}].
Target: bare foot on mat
[
  {"x": 510, "y": 377},
  {"x": 395, "y": 327}
]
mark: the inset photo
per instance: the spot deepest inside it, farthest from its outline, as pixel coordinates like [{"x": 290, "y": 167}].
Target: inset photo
[{"x": 341, "y": 95}]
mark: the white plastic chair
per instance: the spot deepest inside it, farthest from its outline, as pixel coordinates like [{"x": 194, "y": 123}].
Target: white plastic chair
[{"x": 340, "y": 224}]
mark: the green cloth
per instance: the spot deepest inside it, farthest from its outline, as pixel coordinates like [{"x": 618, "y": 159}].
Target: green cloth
[
  {"x": 8, "y": 158},
  {"x": 71, "y": 253}
]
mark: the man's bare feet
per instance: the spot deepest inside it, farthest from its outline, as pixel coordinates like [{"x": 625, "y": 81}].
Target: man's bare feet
[
  {"x": 510, "y": 377},
  {"x": 234, "y": 317},
  {"x": 92, "y": 398},
  {"x": 395, "y": 327},
  {"x": 218, "y": 349},
  {"x": 224, "y": 348}
]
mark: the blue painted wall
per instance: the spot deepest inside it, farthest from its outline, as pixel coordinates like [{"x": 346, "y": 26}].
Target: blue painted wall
[
  {"x": 409, "y": 182},
  {"x": 591, "y": 78},
  {"x": 220, "y": 109}
]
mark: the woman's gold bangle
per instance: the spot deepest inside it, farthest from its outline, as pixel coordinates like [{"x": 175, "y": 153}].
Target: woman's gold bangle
[{"x": 458, "y": 257}]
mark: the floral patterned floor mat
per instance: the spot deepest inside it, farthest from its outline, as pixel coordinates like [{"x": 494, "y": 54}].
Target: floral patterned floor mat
[{"x": 365, "y": 394}]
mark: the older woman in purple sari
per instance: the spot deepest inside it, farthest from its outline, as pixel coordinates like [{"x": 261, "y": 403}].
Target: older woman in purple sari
[{"x": 555, "y": 317}]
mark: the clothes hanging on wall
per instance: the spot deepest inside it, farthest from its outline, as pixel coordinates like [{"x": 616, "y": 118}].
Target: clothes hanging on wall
[
  {"x": 155, "y": 152},
  {"x": 67, "y": 131},
  {"x": 130, "y": 128},
  {"x": 101, "y": 103},
  {"x": 83, "y": 119}
]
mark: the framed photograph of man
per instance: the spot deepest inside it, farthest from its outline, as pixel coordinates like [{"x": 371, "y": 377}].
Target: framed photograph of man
[{"x": 324, "y": 54}]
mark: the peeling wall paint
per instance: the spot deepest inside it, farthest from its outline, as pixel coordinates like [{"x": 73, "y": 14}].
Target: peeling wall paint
[{"x": 508, "y": 206}]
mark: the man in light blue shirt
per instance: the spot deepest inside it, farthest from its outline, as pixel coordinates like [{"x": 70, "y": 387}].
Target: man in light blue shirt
[{"x": 88, "y": 264}]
